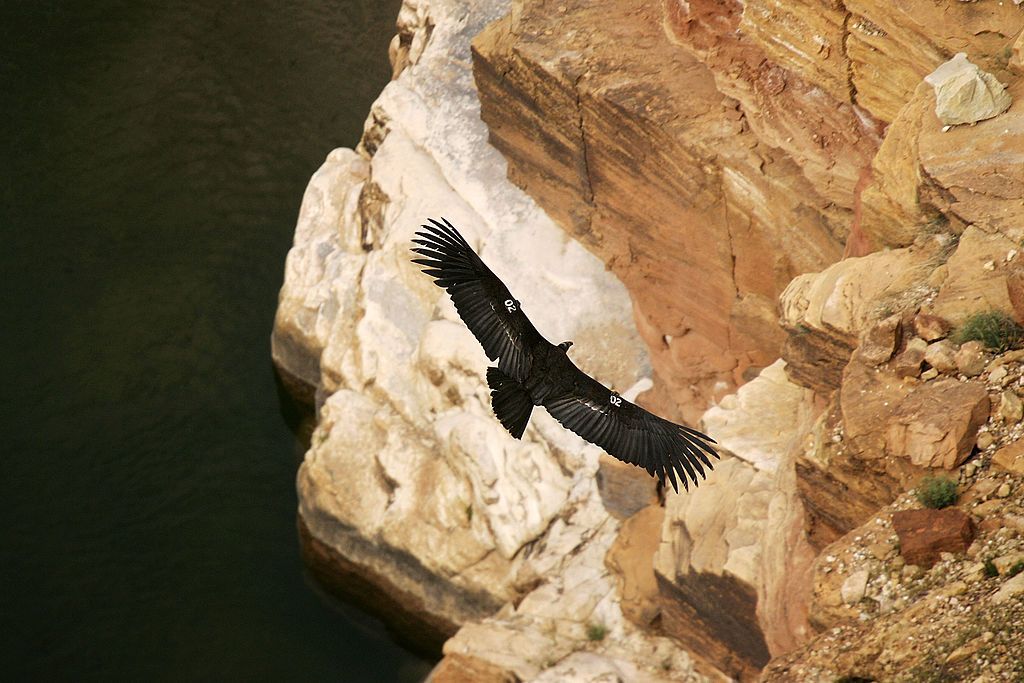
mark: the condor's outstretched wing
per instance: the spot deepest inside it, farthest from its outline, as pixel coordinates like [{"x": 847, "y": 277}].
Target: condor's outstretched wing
[
  {"x": 489, "y": 310},
  {"x": 632, "y": 434}
]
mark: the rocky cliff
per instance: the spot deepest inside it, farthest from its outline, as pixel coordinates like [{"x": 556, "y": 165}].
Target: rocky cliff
[{"x": 775, "y": 219}]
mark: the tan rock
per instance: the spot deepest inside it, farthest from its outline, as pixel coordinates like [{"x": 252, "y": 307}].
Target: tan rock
[
  {"x": 701, "y": 219},
  {"x": 1009, "y": 589},
  {"x": 456, "y": 668},
  {"x": 941, "y": 355},
  {"x": 892, "y": 46},
  {"x": 891, "y": 211},
  {"x": 854, "y": 587},
  {"x": 975, "y": 174},
  {"x": 867, "y": 400},
  {"x": 1005, "y": 562},
  {"x": 1017, "y": 53},
  {"x": 966, "y": 94},
  {"x": 1011, "y": 457},
  {"x": 930, "y": 327},
  {"x": 924, "y": 534},
  {"x": 936, "y": 425},
  {"x": 805, "y": 37},
  {"x": 971, "y": 359},
  {"x": 881, "y": 340},
  {"x": 1015, "y": 291},
  {"x": 708, "y": 567},
  {"x": 624, "y": 488},
  {"x": 1011, "y": 410},
  {"x": 970, "y": 288},
  {"x": 631, "y": 560},
  {"x": 908, "y": 363},
  {"x": 824, "y": 312}
]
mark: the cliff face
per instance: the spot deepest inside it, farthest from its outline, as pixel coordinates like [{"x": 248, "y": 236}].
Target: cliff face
[{"x": 757, "y": 206}]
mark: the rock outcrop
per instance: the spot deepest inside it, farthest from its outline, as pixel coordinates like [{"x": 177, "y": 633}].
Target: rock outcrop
[{"x": 753, "y": 216}]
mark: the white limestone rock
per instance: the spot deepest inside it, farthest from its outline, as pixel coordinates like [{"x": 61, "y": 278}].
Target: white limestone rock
[
  {"x": 407, "y": 457},
  {"x": 756, "y": 423},
  {"x": 966, "y": 94}
]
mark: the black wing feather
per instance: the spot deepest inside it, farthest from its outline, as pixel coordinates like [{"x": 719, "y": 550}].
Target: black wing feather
[
  {"x": 631, "y": 434},
  {"x": 479, "y": 296}
]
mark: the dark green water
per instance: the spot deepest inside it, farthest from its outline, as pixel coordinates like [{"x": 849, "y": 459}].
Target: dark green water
[{"x": 153, "y": 160}]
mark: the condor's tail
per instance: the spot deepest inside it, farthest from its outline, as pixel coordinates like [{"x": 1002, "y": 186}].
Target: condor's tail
[{"x": 512, "y": 405}]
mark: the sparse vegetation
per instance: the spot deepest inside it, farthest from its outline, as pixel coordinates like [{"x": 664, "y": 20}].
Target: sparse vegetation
[
  {"x": 991, "y": 571},
  {"x": 937, "y": 492},
  {"x": 596, "y": 632},
  {"x": 995, "y": 329},
  {"x": 1017, "y": 568}
]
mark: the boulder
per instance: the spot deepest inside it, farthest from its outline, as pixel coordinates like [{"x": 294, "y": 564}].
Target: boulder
[
  {"x": 966, "y": 94},
  {"x": 924, "y": 534},
  {"x": 970, "y": 358},
  {"x": 881, "y": 340},
  {"x": 908, "y": 363},
  {"x": 941, "y": 355},
  {"x": 936, "y": 424},
  {"x": 1011, "y": 457},
  {"x": 930, "y": 327}
]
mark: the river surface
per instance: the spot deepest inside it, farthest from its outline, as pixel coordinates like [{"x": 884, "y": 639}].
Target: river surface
[{"x": 154, "y": 155}]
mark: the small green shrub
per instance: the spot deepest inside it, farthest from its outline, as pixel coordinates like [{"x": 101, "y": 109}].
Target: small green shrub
[
  {"x": 991, "y": 571},
  {"x": 937, "y": 492},
  {"x": 1017, "y": 568},
  {"x": 995, "y": 329},
  {"x": 596, "y": 631}
]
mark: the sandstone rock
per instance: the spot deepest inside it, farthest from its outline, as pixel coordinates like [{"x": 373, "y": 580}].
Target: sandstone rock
[
  {"x": 975, "y": 175},
  {"x": 659, "y": 177},
  {"x": 941, "y": 355},
  {"x": 780, "y": 99},
  {"x": 966, "y": 94},
  {"x": 869, "y": 399},
  {"x": 971, "y": 288},
  {"x": 447, "y": 501},
  {"x": 924, "y": 534},
  {"x": 936, "y": 425},
  {"x": 624, "y": 488},
  {"x": 970, "y": 358},
  {"x": 1004, "y": 563},
  {"x": 1011, "y": 457},
  {"x": 708, "y": 567},
  {"x": 891, "y": 213},
  {"x": 570, "y": 588},
  {"x": 1011, "y": 410},
  {"x": 1010, "y": 589},
  {"x": 757, "y": 422},
  {"x": 908, "y": 363},
  {"x": 631, "y": 560},
  {"x": 881, "y": 340},
  {"x": 455, "y": 668},
  {"x": 930, "y": 327},
  {"x": 1015, "y": 291},
  {"x": 854, "y": 587},
  {"x": 1017, "y": 53},
  {"x": 985, "y": 439},
  {"x": 892, "y": 46},
  {"x": 824, "y": 312},
  {"x": 749, "y": 425}
]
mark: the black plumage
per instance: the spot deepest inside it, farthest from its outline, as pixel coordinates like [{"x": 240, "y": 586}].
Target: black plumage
[{"x": 532, "y": 371}]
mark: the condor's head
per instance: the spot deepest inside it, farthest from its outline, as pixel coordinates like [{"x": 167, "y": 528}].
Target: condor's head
[{"x": 565, "y": 346}]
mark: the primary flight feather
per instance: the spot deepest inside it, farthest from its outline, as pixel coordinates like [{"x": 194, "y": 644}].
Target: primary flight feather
[{"x": 534, "y": 372}]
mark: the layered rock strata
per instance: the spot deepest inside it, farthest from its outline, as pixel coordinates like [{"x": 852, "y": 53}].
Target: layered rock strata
[{"x": 713, "y": 156}]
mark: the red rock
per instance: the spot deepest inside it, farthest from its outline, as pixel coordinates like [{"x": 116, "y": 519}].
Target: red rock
[{"x": 924, "y": 534}]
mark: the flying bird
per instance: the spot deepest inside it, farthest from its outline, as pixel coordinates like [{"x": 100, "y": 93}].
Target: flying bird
[{"x": 532, "y": 371}]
